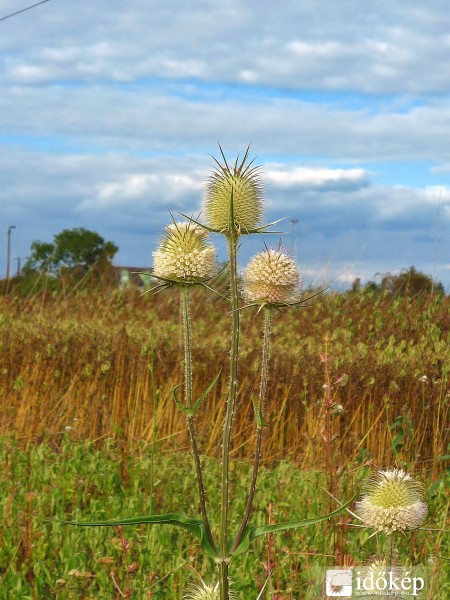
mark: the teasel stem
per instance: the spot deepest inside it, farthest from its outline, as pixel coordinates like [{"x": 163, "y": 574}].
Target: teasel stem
[
  {"x": 260, "y": 424},
  {"x": 391, "y": 552},
  {"x": 186, "y": 315},
  {"x": 155, "y": 398},
  {"x": 267, "y": 335},
  {"x": 232, "y": 239}
]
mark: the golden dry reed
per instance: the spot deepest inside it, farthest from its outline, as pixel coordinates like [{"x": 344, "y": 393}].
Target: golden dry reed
[{"x": 83, "y": 367}]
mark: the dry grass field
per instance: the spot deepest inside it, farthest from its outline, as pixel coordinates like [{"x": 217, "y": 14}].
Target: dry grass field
[{"x": 100, "y": 364}]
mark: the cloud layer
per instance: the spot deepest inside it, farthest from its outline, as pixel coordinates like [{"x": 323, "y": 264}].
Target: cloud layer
[
  {"x": 376, "y": 48},
  {"x": 110, "y": 112}
]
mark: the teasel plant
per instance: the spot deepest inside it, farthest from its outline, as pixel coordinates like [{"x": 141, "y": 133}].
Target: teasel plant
[
  {"x": 393, "y": 502},
  {"x": 233, "y": 207}
]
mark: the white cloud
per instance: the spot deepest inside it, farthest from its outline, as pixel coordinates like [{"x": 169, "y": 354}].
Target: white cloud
[
  {"x": 142, "y": 188},
  {"x": 315, "y": 178},
  {"x": 438, "y": 194}
]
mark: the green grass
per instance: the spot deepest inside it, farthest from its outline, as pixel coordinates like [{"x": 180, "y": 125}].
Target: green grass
[{"x": 43, "y": 484}]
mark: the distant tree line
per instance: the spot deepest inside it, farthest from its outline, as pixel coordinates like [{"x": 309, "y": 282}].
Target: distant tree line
[
  {"x": 83, "y": 258},
  {"x": 409, "y": 282}
]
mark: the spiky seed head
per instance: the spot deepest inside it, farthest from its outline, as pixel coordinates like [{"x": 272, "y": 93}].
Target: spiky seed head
[
  {"x": 380, "y": 562},
  {"x": 185, "y": 254},
  {"x": 204, "y": 592},
  {"x": 238, "y": 188},
  {"x": 393, "y": 502},
  {"x": 271, "y": 277}
]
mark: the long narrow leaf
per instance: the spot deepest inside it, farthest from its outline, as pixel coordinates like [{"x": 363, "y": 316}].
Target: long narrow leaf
[
  {"x": 178, "y": 402},
  {"x": 253, "y": 532},
  {"x": 198, "y": 223},
  {"x": 205, "y": 393},
  {"x": 194, "y": 526}
]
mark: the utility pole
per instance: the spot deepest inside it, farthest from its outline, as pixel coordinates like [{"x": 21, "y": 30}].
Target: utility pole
[{"x": 8, "y": 254}]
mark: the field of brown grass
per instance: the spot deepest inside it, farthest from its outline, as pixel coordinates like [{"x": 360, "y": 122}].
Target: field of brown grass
[{"x": 96, "y": 365}]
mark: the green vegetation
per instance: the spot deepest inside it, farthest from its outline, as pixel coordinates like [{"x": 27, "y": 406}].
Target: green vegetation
[{"x": 40, "y": 558}]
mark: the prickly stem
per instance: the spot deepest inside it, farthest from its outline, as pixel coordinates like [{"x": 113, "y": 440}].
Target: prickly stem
[
  {"x": 232, "y": 239},
  {"x": 260, "y": 408},
  {"x": 185, "y": 306}
]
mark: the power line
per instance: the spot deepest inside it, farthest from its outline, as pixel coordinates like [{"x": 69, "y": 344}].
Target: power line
[{"x": 23, "y": 10}]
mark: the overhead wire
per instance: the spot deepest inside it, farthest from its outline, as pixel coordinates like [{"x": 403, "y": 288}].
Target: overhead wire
[{"x": 23, "y": 10}]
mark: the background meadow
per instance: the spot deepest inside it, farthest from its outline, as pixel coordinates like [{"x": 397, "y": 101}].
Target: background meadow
[{"x": 89, "y": 430}]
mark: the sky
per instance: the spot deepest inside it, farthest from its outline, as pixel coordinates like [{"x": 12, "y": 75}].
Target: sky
[{"x": 111, "y": 112}]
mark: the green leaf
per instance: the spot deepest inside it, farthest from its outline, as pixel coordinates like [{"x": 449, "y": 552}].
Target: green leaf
[
  {"x": 198, "y": 223},
  {"x": 259, "y": 416},
  {"x": 178, "y": 402},
  {"x": 205, "y": 393},
  {"x": 263, "y": 228},
  {"x": 194, "y": 526},
  {"x": 251, "y": 533},
  {"x": 190, "y": 412}
]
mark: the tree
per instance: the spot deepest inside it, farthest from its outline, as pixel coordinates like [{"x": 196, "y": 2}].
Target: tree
[
  {"x": 409, "y": 282},
  {"x": 70, "y": 248},
  {"x": 41, "y": 257}
]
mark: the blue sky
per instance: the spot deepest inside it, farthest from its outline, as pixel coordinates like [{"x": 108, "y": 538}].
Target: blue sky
[{"x": 110, "y": 112}]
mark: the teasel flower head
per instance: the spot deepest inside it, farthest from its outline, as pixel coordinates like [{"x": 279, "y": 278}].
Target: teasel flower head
[
  {"x": 185, "y": 255},
  {"x": 381, "y": 563},
  {"x": 233, "y": 200},
  {"x": 204, "y": 592},
  {"x": 393, "y": 501},
  {"x": 271, "y": 278}
]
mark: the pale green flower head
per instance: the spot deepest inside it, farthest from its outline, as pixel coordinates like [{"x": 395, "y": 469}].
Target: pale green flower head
[
  {"x": 204, "y": 591},
  {"x": 381, "y": 563},
  {"x": 185, "y": 254},
  {"x": 236, "y": 189},
  {"x": 393, "y": 502},
  {"x": 272, "y": 277}
]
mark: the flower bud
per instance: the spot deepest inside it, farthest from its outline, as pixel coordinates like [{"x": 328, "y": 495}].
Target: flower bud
[
  {"x": 239, "y": 188},
  {"x": 205, "y": 592},
  {"x": 271, "y": 277},
  {"x": 185, "y": 254},
  {"x": 393, "y": 502}
]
